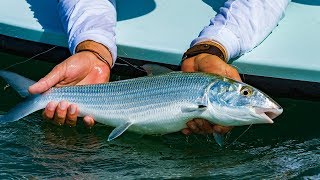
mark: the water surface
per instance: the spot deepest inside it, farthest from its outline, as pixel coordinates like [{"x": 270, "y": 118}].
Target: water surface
[{"x": 33, "y": 148}]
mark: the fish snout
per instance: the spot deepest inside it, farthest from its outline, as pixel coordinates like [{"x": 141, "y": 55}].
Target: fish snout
[{"x": 268, "y": 114}]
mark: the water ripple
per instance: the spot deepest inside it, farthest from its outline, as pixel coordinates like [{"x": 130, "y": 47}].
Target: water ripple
[{"x": 32, "y": 148}]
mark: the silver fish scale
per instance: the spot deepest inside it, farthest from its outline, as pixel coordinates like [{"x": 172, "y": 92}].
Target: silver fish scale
[{"x": 140, "y": 99}]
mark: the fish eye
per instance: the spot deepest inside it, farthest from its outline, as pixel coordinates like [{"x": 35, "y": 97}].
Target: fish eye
[{"x": 246, "y": 91}]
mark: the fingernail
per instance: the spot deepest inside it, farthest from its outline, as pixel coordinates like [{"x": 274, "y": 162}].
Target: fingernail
[
  {"x": 186, "y": 132},
  {"x": 88, "y": 121},
  {"x": 193, "y": 127},
  {"x": 63, "y": 105},
  {"x": 31, "y": 87},
  {"x": 38, "y": 84},
  {"x": 51, "y": 106},
  {"x": 73, "y": 109}
]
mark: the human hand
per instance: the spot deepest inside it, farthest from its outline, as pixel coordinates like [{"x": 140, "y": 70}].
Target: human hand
[
  {"x": 211, "y": 64},
  {"x": 79, "y": 69}
]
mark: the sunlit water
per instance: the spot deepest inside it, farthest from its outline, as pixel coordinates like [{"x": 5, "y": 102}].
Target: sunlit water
[{"x": 32, "y": 148}]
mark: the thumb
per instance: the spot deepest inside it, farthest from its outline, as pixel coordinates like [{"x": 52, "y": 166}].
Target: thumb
[
  {"x": 233, "y": 73},
  {"x": 188, "y": 65},
  {"x": 50, "y": 80}
]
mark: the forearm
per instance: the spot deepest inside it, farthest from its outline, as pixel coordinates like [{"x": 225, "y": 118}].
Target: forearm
[
  {"x": 86, "y": 20},
  {"x": 241, "y": 25}
]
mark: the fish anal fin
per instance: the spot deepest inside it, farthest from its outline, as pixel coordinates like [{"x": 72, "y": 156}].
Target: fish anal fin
[
  {"x": 219, "y": 138},
  {"x": 119, "y": 130}
]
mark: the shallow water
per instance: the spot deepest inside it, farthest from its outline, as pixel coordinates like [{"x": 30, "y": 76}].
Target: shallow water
[{"x": 32, "y": 148}]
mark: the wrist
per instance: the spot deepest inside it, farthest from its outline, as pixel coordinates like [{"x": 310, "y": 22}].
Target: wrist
[
  {"x": 206, "y": 55},
  {"x": 206, "y": 59},
  {"x": 100, "y": 51},
  {"x": 206, "y": 47},
  {"x": 91, "y": 60},
  {"x": 220, "y": 47}
]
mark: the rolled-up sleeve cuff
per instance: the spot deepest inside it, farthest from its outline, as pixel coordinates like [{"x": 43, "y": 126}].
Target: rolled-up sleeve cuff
[
  {"x": 223, "y": 36},
  {"x": 105, "y": 38}
]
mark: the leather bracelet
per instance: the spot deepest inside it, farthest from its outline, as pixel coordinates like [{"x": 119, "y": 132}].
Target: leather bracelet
[
  {"x": 99, "y": 50},
  {"x": 97, "y": 55},
  {"x": 206, "y": 47}
]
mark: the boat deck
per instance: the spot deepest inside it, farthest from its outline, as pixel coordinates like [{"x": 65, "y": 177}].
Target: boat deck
[{"x": 160, "y": 31}]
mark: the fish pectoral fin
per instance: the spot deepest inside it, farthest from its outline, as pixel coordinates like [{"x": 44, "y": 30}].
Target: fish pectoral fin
[
  {"x": 198, "y": 107},
  {"x": 119, "y": 130}
]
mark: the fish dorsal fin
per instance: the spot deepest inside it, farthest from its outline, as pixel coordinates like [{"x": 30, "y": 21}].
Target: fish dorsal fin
[
  {"x": 154, "y": 69},
  {"x": 119, "y": 130},
  {"x": 17, "y": 82}
]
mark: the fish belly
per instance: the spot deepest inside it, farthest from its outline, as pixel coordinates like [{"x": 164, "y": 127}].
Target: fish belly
[{"x": 159, "y": 120}]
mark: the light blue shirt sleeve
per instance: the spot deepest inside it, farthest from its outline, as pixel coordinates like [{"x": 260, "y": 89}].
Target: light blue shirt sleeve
[
  {"x": 241, "y": 25},
  {"x": 89, "y": 20}
]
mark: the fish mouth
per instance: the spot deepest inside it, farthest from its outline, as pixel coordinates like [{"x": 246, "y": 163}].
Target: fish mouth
[{"x": 269, "y": 113}]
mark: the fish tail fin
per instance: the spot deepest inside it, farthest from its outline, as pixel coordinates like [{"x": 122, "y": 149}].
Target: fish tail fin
[
  {"x": 30, "y": 105},
  {"x": 17, "y": 82}
]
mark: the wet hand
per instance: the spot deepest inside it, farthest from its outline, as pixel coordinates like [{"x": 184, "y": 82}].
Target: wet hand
[
  {"x": 211, "y": 64},
  {"x": 201, "y": 126},
  {"x": 80, "y": 69}
]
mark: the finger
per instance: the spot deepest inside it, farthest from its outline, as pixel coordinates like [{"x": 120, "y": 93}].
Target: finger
[
  {"x": 60, "y": 114},
  {"x": 186, "y": 131},
  {"x": 88, "y": 121},
  {"x": 188, "y": 65},
  {"x": 51, "y": 79},
  {"x": 204, "y": 126},
  {"x": 72, "y": 114},
  {"x": 221, "y": 129},
  {"x": 192, "y": 126},
  {"x": 233, "y": 73},
  {"x": 199, "y": 123},
  {"x": 48, "y": 112}
]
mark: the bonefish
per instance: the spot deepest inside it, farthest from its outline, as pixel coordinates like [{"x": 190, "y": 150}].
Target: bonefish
[{"x": 154, "y": 105}]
